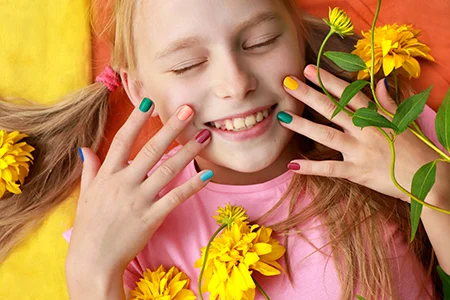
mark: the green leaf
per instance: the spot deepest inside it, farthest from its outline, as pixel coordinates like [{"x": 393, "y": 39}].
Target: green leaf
[
  {"x": 445, "y": 282},
  {"x": 410, "y": 109},
  {"x": 365, "y": 117},
  {"x": 443, "y": 122},
  {"x": 372, "y": 106},
  {"x": 422, "y": 183},
  {"x": 360, "y": 298},
  {"x": 346, "y": 61},
  {"x": 348, "y": 94}
]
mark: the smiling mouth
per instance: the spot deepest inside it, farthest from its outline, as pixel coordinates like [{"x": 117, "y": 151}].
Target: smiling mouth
[{"x": 242, "y": 123}]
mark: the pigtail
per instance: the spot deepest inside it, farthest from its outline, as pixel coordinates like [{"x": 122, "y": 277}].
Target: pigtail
[{"x": 55, "y": 132}]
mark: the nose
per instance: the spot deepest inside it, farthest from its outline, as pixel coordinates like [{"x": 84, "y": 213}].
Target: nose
[{"x": 234, "y": 79}]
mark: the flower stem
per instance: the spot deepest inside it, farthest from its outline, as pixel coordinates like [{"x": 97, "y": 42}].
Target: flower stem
[
  {"x": 260, "y": 289},
  {"x": 319, "y": 56},
  {"x": 402, "y": 189},
  {"x": 206, "y": 257}
]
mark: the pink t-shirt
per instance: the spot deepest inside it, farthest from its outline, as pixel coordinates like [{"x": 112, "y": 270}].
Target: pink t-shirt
[{"x": 189, "y": 227}]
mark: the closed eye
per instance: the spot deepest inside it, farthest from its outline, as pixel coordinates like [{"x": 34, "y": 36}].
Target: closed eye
[
  {"x": 266, "y": 43},
  {"x": 183, "y": 70}
]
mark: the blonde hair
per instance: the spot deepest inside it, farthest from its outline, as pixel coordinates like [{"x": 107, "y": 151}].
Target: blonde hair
[{"x": 348, "y": 211}]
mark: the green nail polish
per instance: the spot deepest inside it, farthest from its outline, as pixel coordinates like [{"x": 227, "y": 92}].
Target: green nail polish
[
  {"x": 284, "y": 117},
  {"x": 146, "y": 104}
]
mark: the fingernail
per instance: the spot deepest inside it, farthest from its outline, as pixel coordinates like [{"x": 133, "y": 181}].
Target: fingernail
[
  {"x": 294, "y": 166},
  {"x": 290, "y": 83},
  {"x": 146, "y": 104},
  {"x": 386, "y": 84},
  {"x": 310, "y": 71},
  {"x": 184, "y": 113},
  {"x": 80, "y": 153},
  {"x": 284, "y": 117},
  {"x": 207, "y": 175},
  {"x": 202, "y": 136}
]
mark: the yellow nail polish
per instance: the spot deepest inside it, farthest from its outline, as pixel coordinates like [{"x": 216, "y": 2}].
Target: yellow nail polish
[{"x": 290, "y": 83}]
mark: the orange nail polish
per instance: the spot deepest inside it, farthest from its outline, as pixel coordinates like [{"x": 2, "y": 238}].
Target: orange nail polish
[{"x": 184, "y": 113}]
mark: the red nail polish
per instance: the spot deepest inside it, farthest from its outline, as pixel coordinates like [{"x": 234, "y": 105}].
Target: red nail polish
[
  {"x": 294, "y": 166},
  {"x": 202, "y": 136}
]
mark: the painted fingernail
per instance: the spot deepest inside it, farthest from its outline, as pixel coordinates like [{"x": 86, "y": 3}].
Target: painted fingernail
[
  {"x": 290, "y": 83},
  {"x": 294, "y": 166},
  {"x": 80, "y": 153},
  {"x": 284, "y": 117},
  {"x": 203, "y": 136},
  {"x": 184, "y": 113},
  {"x": 310, "y": 71},
  {"x": 386, "y": 84},
  {"x": 207, "y": 175},
  {"x": 146, "y": 104}
]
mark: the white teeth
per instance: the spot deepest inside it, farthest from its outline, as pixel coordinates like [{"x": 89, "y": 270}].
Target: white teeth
[
  {"x": 238, "y": 123},
  {"x": 259, "y": 117},
  {"x": 229, "y": 125},
  {"x": 250, "y": 120}
]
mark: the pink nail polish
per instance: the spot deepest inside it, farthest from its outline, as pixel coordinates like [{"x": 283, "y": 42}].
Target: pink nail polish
[
  {"x": 203, "y": 136},
  {"x": 294, "y": 166},
  {"x": 184, "y": 113}
]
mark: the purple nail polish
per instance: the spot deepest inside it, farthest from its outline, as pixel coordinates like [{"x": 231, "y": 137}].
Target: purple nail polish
[{"x": 202, "y": 136}]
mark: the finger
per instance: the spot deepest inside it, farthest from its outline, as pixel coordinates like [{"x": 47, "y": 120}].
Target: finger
[
  {"x": 174, "y": 165},
  {"x": 91, "y": 165},
  {"x": 161, "y": 208},
  {"x": 322, "y": 134},
  {"x": 384, "y": 98},
  {"x": 328, "y": 168},
  {"x": 335, "y": 86},
  {"x": 317, "y": 101},
  {"x": 120, "y": 149},
  {"x": 152, "y": 151}
]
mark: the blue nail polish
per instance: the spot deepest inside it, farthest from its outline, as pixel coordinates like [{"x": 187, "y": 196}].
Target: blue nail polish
[
  {"x": 80, "y": 152},
  {"x": 386, "y": 84},
  {"x": 207, "y": 175}
]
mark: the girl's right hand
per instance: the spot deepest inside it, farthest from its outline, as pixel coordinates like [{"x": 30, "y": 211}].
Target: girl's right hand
[{"x": 118, "y": 210}]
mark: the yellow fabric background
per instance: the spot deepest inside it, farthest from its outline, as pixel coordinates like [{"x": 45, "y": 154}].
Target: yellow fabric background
[{"x": 45, "y": 52}]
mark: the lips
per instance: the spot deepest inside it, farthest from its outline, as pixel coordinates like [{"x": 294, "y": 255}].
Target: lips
[{"x": 243, "y": 121}]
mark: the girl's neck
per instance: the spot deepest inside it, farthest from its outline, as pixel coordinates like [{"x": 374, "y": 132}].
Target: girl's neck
[{"x": 224, "y": 175}]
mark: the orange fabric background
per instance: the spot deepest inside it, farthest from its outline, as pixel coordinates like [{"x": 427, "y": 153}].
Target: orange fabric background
[{"x": 431, "y": 17}]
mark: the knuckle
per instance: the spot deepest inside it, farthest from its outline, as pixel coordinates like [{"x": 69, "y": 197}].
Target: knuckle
[
  {"x": 150, "y": 150},
  {"x": 329, "y": 108},
  {"x": 328, "y": 169},
  {"x": 167, "y": 170},
  {"x": 176, "y": 198},
  {"x": 328, "y": 135},
  {"x": 119, "y": 141}
]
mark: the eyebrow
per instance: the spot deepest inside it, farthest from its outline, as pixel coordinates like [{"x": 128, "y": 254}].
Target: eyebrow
[{"x": 195, "y": 40}]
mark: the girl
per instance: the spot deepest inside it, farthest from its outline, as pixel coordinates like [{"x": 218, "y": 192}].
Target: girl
[{"x": 228, "y": 80}]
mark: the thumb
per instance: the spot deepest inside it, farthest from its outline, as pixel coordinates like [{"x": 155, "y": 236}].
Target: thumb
[
  {"x": 384, "y": 98},
  {"x": 91, "y": 165}
]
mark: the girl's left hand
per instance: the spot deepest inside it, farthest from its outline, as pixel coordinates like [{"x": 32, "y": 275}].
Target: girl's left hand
[{"x": 366, "y": 153}]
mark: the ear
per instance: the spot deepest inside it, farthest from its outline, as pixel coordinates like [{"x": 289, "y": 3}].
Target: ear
[{"x": 134, "y": 89}]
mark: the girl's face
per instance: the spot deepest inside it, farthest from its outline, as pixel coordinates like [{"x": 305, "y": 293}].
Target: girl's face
[{"x": 226, "y": 59}]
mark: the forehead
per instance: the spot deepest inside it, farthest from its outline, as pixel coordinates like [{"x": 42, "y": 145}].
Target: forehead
[{"x": 158, "y": 22}]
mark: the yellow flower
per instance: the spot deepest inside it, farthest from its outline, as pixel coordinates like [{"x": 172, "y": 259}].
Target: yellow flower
[
  {"x": 230, "y": 214},
  {"x": 14, "y": 161},
  {"x": 234, "y": 255},
  {"x": 339, "y": 22},
  {"x": 395, "y": 47},
  {"x": 162, "y": 285}
]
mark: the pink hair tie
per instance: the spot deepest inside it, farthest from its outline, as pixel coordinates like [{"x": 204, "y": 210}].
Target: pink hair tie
[{"x": 109, "y": 78}]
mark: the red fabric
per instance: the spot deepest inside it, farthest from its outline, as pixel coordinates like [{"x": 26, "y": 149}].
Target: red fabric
[{"x": 431, "y": 17}]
